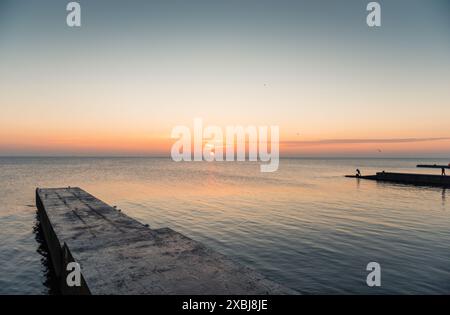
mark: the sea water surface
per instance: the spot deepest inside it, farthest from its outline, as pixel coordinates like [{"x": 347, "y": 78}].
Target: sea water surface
[{"x": 304, "y": 226}]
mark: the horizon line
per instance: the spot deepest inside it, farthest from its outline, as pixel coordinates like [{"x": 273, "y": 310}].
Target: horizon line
[{"x": 281, "y": 157}]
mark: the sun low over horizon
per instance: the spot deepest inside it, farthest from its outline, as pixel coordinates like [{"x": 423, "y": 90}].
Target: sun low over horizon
[
  {"x": 213, "y": 155},
  {"x": 118, "y": 84}
]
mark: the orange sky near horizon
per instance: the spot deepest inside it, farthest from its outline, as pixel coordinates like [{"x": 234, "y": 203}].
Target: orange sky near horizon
[
  {"x": 331, "y": 84},
  {"x": 80, "y": 144}
]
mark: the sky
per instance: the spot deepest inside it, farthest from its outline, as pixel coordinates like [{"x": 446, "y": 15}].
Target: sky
[{"x": 135, "y": 69}]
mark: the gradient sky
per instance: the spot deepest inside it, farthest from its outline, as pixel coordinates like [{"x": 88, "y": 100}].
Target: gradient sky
[{"x": 136, "y": 69}]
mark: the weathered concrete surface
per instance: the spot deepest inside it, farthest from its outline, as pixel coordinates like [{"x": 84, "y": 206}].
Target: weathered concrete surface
[
  {"x": 408, "y": 178},
  {"x": 119, "y": 255}
]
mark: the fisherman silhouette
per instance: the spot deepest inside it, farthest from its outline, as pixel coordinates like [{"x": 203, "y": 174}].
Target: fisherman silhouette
[
  {"x": 443, "y": 171},
  {"x": 358, "y": 173}
]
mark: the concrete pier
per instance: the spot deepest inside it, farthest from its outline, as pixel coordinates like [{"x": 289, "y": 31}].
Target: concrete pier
[
  {"x": 119, "y": 255},
  {"x": 408, "y": 178}
]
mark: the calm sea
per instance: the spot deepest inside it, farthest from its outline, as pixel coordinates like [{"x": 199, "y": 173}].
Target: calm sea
[{"x": 305, "y": 226}]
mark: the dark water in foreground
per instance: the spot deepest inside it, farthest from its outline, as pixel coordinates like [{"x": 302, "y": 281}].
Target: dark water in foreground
[{"x": 305, "y": 226}]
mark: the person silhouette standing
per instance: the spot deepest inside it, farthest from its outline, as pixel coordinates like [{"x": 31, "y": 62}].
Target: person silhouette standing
[{"x": 442, "y": 171}]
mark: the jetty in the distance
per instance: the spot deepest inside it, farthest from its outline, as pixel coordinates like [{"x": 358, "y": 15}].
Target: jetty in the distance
[
  {"x": 433, "y": 166},
  {"x": 408, "y": 178},
  {"x": 411, "y": 178},
  {"x": 119, "y": 255}
]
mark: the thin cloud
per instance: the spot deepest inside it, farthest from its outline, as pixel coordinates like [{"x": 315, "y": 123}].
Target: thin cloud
[{"x": 361, "y": 141}]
